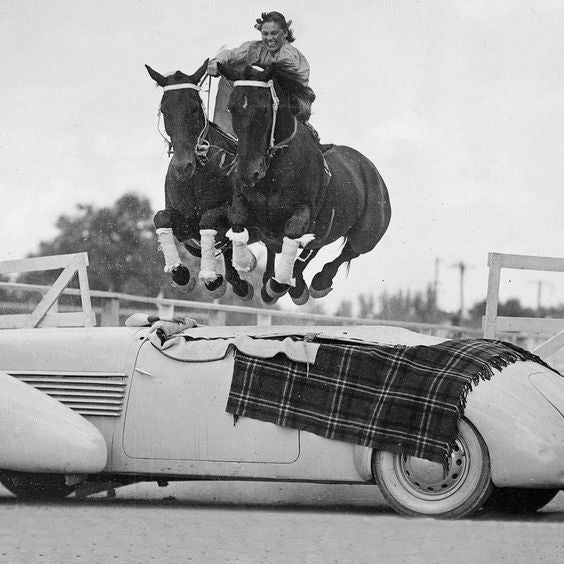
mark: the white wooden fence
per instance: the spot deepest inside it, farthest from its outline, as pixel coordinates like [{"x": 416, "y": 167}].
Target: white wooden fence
[
  {"x": 493, "y": 324},
  {"x": 46, "y": 311},
  {"x": 113, "y": 306}
]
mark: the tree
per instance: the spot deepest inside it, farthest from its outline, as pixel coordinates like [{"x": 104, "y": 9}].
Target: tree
[
  {"x": 345, "y": 309},
  {"x": 123, "y": 253},
  {"x": 120, "y": 242},
  {"x": 511, "y": 308},
  {"x": 366, "y": 306}
]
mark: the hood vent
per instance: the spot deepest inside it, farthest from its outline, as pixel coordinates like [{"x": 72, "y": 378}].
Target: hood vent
[{"x": 87, "y": 393}]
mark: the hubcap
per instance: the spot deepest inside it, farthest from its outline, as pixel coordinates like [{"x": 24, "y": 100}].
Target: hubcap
[{"x": 430, "y": 480}]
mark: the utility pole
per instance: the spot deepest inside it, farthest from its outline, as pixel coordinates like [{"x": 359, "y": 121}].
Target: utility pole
[
  {"x": 462, "y": 269},
  {"x": 539, "y": 294},
  {"x": 540, "y": 284},
  {"x": 436, "y": 282}
]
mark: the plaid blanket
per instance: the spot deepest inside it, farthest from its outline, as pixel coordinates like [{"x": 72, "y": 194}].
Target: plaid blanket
[{"x": 405, "y": 399}]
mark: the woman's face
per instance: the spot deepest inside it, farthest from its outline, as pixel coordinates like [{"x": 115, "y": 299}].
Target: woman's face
[{"x": 272, "y": 36}]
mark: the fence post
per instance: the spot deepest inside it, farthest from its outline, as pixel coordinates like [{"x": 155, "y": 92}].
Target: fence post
[
  {"x": 264, "y": 319},
  {"x": 166, "y": 311},
  {"x": 109, "y": 312},
  {"x": 217, "y": 318},
  {"x": 490, "y": 318}
]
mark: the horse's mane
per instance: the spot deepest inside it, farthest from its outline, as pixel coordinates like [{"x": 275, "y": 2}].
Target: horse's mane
[{"x": 289, "y": 81}]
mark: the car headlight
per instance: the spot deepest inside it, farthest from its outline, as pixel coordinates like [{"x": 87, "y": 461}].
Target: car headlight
[{"x": 551, "y": 387}]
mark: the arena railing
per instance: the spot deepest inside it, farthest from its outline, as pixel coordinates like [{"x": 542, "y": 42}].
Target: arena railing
[
  {"x": 114, "y": 307},
  {"x": 45, "y": 313},
  {"x": 538, "y": 328}
]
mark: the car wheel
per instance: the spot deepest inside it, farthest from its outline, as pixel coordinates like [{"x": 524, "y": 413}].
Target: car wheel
[
  {"x": 36, "y": 486},
  {"x": 418, "y": 487},
  {"x": 519, "y": 500}
]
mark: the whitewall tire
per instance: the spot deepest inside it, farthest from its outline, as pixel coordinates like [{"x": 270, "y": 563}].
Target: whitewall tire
[{"x": 418, "y": 487}]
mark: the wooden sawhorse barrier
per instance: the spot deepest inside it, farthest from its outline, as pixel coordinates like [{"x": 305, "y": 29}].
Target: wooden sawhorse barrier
[
  {"x": 44, "y": 314},
  {"x": 492, "y": 323}
]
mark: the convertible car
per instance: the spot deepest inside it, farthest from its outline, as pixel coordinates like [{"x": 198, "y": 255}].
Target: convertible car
[{"x": 86, "y": 407}]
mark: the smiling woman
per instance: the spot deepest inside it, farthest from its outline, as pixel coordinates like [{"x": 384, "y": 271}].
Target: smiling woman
[{"x": 275, "y": 46}]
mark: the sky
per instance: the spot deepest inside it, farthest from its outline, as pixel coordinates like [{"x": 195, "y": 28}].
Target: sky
[{"x": 460, "y": 105}]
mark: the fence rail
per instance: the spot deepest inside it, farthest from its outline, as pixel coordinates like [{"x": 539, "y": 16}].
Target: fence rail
[
  {"x": 111, "y": 310},
  {"x": 493, "y": 324},
  {"x": 45, "y": 313}
]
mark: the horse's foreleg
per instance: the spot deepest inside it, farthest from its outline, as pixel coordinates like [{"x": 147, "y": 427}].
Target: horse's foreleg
[
  {"x": 208, "y": 274},
  {"x": 208, "y": 271},
  {"x": 295, "y": 236},
  {"x": 241, "y": 288},
  {"x": 267, "y": 276},
  {"x": 164, "y": 224},
  {"x": 243, "y": 259},
  {"x": 300, "y": 292},
  {"x": 269, "y": 268},
  {"x": 322, "y": 282}
]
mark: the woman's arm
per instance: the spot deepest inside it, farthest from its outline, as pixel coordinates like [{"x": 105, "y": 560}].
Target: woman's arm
[{"x": 229, "y": 57}]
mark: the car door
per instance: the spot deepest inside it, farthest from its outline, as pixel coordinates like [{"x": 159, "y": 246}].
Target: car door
[{"x": 176, "y": 411}]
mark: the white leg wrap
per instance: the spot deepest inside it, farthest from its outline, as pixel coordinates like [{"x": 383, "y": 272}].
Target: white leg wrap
[
  {"x": 208, "y": 263},
  {"x": 284, "y": 268},
  {"x": 167, "y": 244},
  {"x": 242, "y": 258}
]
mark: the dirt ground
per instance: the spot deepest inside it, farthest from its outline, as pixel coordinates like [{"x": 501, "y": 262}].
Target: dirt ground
[{"x": 270, "y": 523}]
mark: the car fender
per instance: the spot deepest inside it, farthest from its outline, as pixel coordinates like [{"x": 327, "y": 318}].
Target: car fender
[
  {"x": 39, "y": 434},
  {"x": 524, "y": 432}
]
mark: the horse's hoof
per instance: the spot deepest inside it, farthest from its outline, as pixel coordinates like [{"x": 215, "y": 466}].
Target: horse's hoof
[
  {"x": 217, "y": 287},
  {"x": 266, "y": 299},
  {"x": 276, "y": 290},
  {"x": 248, "y": 294},
  {"x": 301, "y": 299},
  {"x": 191, "y": 285},
  {"x": 181, "y": 276},
  {"x": 319, "y": 293}
]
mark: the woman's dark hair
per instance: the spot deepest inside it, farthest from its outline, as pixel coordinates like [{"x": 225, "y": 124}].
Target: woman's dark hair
[{"x": 278, "y": 18}]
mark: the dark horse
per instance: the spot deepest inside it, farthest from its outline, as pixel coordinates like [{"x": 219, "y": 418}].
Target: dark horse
[
  {"x": 283, "y": 181},
  {"x": 198, "y": 189}
]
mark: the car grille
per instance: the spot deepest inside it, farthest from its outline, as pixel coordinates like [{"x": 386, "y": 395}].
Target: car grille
[{"x": 87, "y": 393}]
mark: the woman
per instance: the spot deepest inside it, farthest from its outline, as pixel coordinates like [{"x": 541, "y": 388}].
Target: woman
[{"x": 275, "y": 45}]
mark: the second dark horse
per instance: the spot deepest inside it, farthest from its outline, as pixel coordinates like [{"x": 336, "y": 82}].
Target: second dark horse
[
  {"x": 297, "y": 196},
  {"x": 198, "y": 189}
]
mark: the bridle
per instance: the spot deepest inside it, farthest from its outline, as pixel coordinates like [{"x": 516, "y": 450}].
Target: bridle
[
  {"x": 273, "y": 147},
  {"x": 202, "y": 144}
]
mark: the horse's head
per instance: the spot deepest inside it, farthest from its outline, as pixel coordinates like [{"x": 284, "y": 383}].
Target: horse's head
[
  {"x": 184, "y": 118},
  {"x": 253, "y": 105}
]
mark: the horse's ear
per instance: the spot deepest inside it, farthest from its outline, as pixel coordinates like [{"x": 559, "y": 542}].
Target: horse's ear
[
  {"x": 158, "y": 78},
  {"x": 197, "y": 76},
  {"x": 228, "y": 73}
]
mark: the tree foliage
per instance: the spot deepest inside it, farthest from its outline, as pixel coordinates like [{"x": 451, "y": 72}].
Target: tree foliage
[
  {"x": 120, "y": 242},
  {"x": 123, "y": 253}
]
